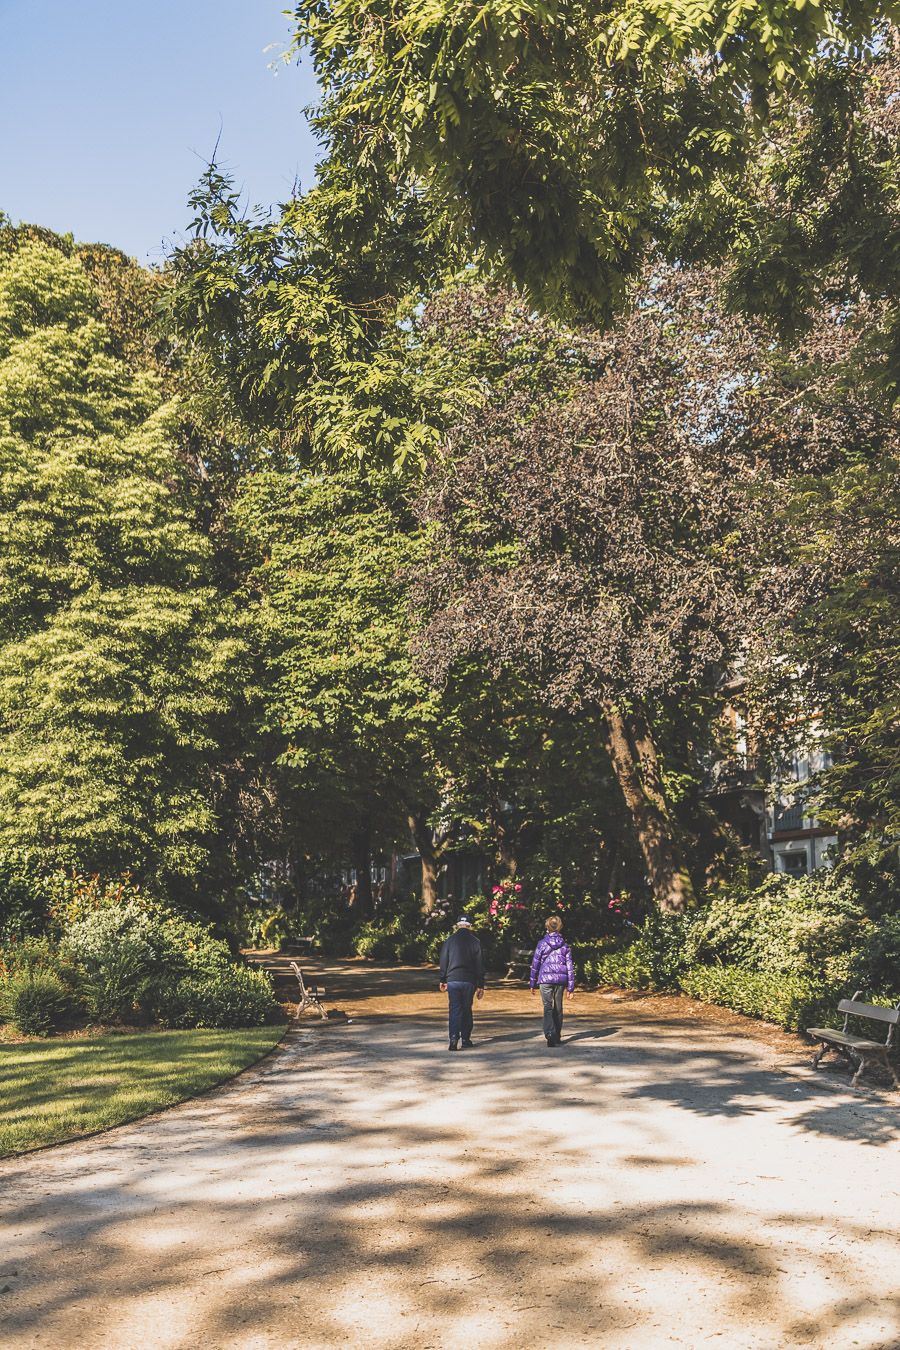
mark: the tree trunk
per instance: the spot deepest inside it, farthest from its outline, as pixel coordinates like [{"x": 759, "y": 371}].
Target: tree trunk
[
  {"x": 429, "y": 852},
  {"x": 361, "y": 860},
  {"x": 506, "y": 851},
  {"x": 635, "y": 763}
]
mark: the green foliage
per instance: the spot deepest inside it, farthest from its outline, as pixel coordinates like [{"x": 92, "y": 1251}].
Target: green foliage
[
  {"x": 402, "y": 934},
  {"x": 565, "y": 139},
  {"x": 227, "y": 997},
  {"x": 122, "y": 666},
  {"x": 878, "y": 964},
  {"x": 23, "y": 893},
  {"x": 38, "y": 956},
  {"x": 126, "y": 951},
  {"x": 118, "y": 951},
  {"x": 391, "y": 940},
  {"x": 654, "y": 959},
  {"x": 302, "y": 315},
  {"x": 341, "y": 687},
  {"x": 785, "y": 952},
  {"x": 812, "y": 927},
  {"x": 35, "y": 1002},
  {"x": 791, "y": 1001}
]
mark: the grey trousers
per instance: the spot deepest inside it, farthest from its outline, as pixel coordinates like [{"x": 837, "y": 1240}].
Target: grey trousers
[{"x": 552, "y": 999}]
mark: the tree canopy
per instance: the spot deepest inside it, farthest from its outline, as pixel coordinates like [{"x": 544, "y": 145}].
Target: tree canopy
[
  {"x": 562, "y": 139},
  {"x": 122, "y": 665}
]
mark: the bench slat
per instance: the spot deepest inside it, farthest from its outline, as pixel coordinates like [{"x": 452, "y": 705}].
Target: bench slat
[
  {"x": 870, "y": 1010},
  {"x": 845, "y": 1038}
]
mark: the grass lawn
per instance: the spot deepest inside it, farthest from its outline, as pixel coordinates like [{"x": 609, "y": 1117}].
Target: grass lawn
[{"x": 55, "y": 1090}]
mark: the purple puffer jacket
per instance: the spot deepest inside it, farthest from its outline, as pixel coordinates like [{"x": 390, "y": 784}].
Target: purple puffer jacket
[{"x": 552, "y": 962}]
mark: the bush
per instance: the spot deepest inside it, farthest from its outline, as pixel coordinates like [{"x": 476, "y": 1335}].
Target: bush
[
  {"x": 38, "y": 955},
  {"x": 328, "y": 921},
  {"x": 235, "y": 997},
  {"x": 23, "y": 894},
  {"x": 813, "y": 926},
  {"x": 653, "y": 960},
  {"x": 791, "y": 1001},
  {"x": 124, "y": 952},
  {"x": 118, "y": 952},
  {"x": 35, "y": 1002},
  {"x": 391, "y": 940},
  {"x": 877, "y": 965}
]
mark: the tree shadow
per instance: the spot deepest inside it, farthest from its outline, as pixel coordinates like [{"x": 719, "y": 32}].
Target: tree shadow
[{"x": 337, "y": 1196}]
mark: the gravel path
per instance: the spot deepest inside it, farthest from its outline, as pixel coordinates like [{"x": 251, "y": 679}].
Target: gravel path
[{"x": 654, "y": 1182}]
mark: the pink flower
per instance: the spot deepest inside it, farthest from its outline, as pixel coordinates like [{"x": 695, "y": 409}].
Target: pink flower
[
  {"x": 517, "y": 888},
  {"x": 498, "y": 890}
]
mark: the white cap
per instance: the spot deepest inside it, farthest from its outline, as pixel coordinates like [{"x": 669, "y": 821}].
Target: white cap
[{"x": 463, "y": 922}]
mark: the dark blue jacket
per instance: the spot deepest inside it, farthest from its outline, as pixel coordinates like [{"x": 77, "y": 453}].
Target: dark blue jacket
[{"x": 462, "y": 959}]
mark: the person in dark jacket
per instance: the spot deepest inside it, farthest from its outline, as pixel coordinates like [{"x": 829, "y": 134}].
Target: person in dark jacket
[
  {"x": 462, "y": 978},
  {"x": 552, "y": 971}
]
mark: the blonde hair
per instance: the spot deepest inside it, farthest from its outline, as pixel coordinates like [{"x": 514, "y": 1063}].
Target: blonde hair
[{"x": 554, "y": 924}]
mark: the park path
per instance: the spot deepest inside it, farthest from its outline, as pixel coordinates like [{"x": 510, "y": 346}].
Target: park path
[{"x": 662, "y": 1179}]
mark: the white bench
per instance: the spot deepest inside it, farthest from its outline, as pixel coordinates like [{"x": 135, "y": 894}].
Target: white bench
[
  {"x": 859, "y": 1051},
  {"x": 311, "y": 995}
]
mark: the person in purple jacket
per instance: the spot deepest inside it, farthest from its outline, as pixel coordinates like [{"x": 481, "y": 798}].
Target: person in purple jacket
[{"x": 552, "y": 971}]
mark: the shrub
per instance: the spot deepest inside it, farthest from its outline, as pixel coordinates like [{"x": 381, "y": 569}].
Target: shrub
[
  {"x": 791, "y": 1001},
  {"x": 23, "y": 894},
  {"x": 809, "y": 926},
  {"x": 877, "y": 965},
  {"x": 35, "y": 1002},
  {"x": 123, "y": 952},
  {"x": 38, "y": 955},
  {"x": 653, "y": 960},
  {"x": 118, "y": 951},
  {"x": 391, "y": 940},
  {"x": 73, "y": 897},
  {"x": 329, "y": 922},
  {"x": 235, "y": 997}
]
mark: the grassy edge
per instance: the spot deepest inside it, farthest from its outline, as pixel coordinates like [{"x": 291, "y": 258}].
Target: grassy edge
[{"x": 148, "y": 1115}]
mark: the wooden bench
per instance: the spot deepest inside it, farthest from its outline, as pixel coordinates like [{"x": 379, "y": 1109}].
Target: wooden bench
[
  {"x": 859, "y": 1051},
  {"x": 311, "y": 995},
  {"x": 519, "y": 964}
]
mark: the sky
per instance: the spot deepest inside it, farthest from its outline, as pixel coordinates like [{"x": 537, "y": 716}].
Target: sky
[{"x": 109, "y": 110}]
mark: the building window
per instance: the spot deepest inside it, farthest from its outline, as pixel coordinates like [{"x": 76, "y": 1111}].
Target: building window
[{"x": 793, "y": 861}]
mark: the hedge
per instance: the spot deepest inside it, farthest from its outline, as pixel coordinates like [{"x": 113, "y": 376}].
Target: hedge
[{"x": 791, "y": 1001}]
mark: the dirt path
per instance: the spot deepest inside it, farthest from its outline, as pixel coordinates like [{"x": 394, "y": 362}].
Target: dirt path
[{"x": 662, "y": 1179}]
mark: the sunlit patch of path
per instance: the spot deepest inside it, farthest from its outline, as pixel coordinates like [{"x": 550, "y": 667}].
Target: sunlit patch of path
[{"x": 365, "y": 1188}]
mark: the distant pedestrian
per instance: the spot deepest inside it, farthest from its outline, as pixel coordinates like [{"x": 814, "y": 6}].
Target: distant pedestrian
[
  {"x": 552, "y": 971},
  {"x": 462, "y": 978}
]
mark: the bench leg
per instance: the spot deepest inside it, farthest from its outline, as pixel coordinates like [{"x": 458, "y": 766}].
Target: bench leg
[
  {"x": 820, "y": 1054},
  {"x": 854, "y": 1081},
  {"x": 322, "y": 1011},
  {"x": 889, "y": 1068}
]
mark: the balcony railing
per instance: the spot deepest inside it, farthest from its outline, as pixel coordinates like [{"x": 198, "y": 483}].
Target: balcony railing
[{"x": 788, "y": 817}]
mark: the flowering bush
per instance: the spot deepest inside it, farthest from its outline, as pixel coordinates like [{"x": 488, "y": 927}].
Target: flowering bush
[{"x": 506, "y": 906}]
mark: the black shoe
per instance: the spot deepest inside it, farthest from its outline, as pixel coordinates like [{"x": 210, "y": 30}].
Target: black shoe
[
  {"x": 467, "y": 1045},
  {"x": 550, "y": 1041},
  {"x": 453, "y": 1046}
]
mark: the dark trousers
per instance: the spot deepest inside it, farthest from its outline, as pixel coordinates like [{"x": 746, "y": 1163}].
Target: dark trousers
[
  {"x": 552, "y": 999},
  {"x": 460, "y": 994}
]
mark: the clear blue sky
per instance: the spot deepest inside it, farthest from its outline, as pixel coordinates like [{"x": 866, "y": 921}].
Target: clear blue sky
[{"x": 108, "y": 109}]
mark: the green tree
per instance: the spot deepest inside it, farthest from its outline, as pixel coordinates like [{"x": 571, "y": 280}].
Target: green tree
[
  {"x": 591, "y": 523},
  {"x": 123, "y": 667},
  {"x": 562, "y": 138},
  {"x": 303, "y": 314},
  {"x": 352, "y": 720}
]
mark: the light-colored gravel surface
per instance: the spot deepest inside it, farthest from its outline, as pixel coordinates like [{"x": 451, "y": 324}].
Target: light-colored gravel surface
[{"x": 654, "y": 1182}]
